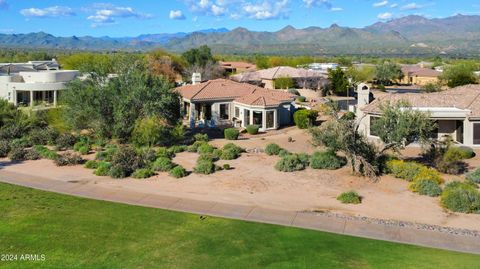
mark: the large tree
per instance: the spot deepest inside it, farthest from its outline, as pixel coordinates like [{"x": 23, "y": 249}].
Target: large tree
[
  {"x": 338, "y": 81},
  {"x": 161, "y": 63},
  {"x": 200, "y": 60},
  {"x": 459, "y": 75},
  {"x": 388, "y": 72},
  {"x": 111, "y": 107},
  {"x": 398, "y": 127}
]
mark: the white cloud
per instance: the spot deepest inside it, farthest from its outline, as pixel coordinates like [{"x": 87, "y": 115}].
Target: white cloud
[
  {"x": 385, "y": 16},
  {"x": 217, "y": 10},
  {"x": 336, "y": 9},
  {"x": 411, "y": 6},
  {"x": 320, "y": 3},
  {"x": 266, "y": 10},
  {"x": 380, "y": 4},
  {"x": 394, "y": 5},
  {"x": 48, "y": 12},
  {"x": 176, "y": 15},
  {"x": 108, "y": 13}
]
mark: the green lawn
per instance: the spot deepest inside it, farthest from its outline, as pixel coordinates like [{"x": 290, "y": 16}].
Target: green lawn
[{"x": 81, "y": 233}]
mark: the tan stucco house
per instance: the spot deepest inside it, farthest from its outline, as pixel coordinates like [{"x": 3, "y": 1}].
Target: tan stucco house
[
  {"x": 417, "y": 75},
  {"x": 456, "y": 111},
  {"x": 223, "y": 102}
]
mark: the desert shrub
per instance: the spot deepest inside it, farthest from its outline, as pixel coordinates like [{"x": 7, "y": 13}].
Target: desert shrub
[
  {"x": 91, "y": 164},
  {"x": 300, "y": 99},
  {"x": 43, "y": 136},
  {"x": 461, "y": 197},
  {"x": 467, "y": 152},
  {"x": 31, "y": 154},
  {"x": 107, "y": 154},
  {"x": 84, "y": 150},
  {"x": 4, "y": 148},
  {"x": 17, "y": 154},
  {"x": 204, "y": 167},
  {"x": 229, "y": 154},
  {"x": 149, "y": 155},
  {"x": 294, "y": 91},
  {"x": 68, "y": 159},
  {"x": 292, "y": 162},
  {"x": 455, "y": 154},
  {"x": 226, "y": 166},
  {"x": 177, "y": 149},
  {"x": 252, "y": 129},
  {"x": 230, "y": 146},
  {"x": 208, "y": 157},
  {"x": 304, "y": 118},
  {"x": 201, "y": 137},
  {"x": 65, "y": 141},
  {"x": 326, "y": 160},
  {"x": 194, "y": 147},
  {"x": 451, "y": 168},
  {"x": 231, "y": 134},
  {"x": 350, "y": 197},
  {"x": 23, "y": 142},
  {"x": 82, "y": 146},
  {"x": 426, "y": 173},
  {"x": 45, "y": 153},
  {"x": 103, "y": 169},
  {"x": 127, "y": 160},
  {"x": 348, "y": 116},
  {"x": 474, "y": 176},
  {"x": 143, "y": 173},
  {"x": 283, "y": 153},
  {"x": 119, "y": 171},
  {"x": 164, "y": 152},
  {"x": 403, "y": 170},
  {"x": 163, "y": 164},
  {"x": 272, "y": 149},
  {"x": 205, "y": 148},
  {"x": 178, "y": 172},
  {"x": 426, "y": 187}
]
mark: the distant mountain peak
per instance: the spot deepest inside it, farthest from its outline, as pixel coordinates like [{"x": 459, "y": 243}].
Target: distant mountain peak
[{"x": 288, "y": 28}]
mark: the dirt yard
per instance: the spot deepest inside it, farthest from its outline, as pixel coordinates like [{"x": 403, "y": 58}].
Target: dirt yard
[{"x": 254, "y": 181}]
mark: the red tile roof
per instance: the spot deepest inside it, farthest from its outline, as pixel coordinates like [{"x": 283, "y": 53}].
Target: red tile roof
[
  {"x": 415, "y": 70},
  {"x": 243, "y": 93}
]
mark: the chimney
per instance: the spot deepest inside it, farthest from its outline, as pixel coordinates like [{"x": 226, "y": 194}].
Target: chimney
[
  {"x": 363, "y": 93},
  {"x": 196, "y": 78}
]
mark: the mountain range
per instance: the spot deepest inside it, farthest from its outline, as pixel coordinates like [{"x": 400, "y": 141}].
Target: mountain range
[{"x": 457, "y": 35}]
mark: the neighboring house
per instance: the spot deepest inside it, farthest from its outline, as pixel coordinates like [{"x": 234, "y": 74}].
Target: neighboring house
[
  {"x": 416, "y": 75},
  {"x": 33, "y": 83},
  {"x": 224, "y": 102},
  {"x": 456, "y": 111},
  {"x": 237, "y": 67},
  {"x": 302, "y": 78}
]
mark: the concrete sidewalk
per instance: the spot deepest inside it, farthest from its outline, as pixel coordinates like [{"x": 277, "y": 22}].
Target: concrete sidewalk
[{"x": 308, "y": 220}]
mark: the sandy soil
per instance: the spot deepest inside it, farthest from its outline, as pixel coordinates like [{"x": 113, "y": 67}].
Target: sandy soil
[{"x": 254, "y": 181}]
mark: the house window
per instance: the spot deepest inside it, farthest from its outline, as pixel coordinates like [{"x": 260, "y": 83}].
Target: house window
[
  {"x": 225, "y": 111},
  {"x": 258, "y": 118},
  {"x": 476, "y": 133},
  {"x": 270, "y": 119},
  {"x": 372, "y": 121},
  {"x": 237, "y": 112}
]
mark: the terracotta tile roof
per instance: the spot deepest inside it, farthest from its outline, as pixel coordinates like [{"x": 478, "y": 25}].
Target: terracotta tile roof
[
  {"x": 238, "y": 65},
  {"x": 464, "y": 97},
  {"x": 222, "y": 89},
  {"x": 415, "y": 70},
  {"x": 277, "y": 72}
]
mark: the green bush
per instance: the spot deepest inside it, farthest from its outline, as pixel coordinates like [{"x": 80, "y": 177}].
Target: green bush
[
  {"x": 143, "y": 173},
  {"x": 4, "y": 148},
  {"x": 231, "y": 134},
  {"x": 178, "y": 172},
  {"x": 292, "y": 162},
  {"x": 204, "y": 167},
  {"x": 294, "y": 92},
  {"x": 404, "y": 170},
  {"x": 327, "y": 160},
  {"x": 194, "y": 147},
  {"x": 304, "y": 118},
  {"x": 226, "y": 166},
  {"x": 230, "y": 146},
  {"x": 252, "y": 129},
  {"x": 43, "y": 136},
  {"x": 350, "y": 197},
  {"x": 119, "y": 171},
  {"x": 205, "y": 148},
  {"x": 426, "y": 187},
  {"x": 23, "y": 142},
  {"x": 348, "y": 116},
  {"x": 283, "y": 153},
  {"x": 45, "y": 153},
  {"x": 177, "y": 149},
  {"x": 474, "y": 176},
  {"x": 107, "y": 154},
  {"x": 91, "y": 164},
  {"x": 272, "y": 149},
  {"x": 103, "y": 169},
  {"x": 165, "y": 152},
  {"x": 201, "y": 137},
  {"x": 451, "y": 168},
  {"x": 461, "y": 197},
  {"x": 426, "y": 173},
  {"x": 455, "y": 154},
  {"x": 17, "y": 154},
  {"x": 229, "y": 154},
  {"x": 163, "y": 164},
  {"x": 68, "y": 159},
  {"x": 65, "y": 141},
  {"x": 31, "y": 154},
  {"x": 128, "y": 160},
  {"x": 300, "y": 99},
  {"x": 209, "y": 157}
]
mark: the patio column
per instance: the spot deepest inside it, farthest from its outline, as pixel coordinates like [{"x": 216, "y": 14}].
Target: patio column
[
  {"x": 251, "y": 117},
  {"x": 191, "y": 113},
  {"x": 55, "y": 98},
  {"x": 264, "y": 120},
  {"x": 14, "y": 93},
  {"x": 275, "y": 119},
  {"x": 31, "y": 98},
  {"x": 467, "y": 132}
]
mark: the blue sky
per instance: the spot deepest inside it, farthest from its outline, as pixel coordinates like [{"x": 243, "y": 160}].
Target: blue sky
[{"x": 131, "y": 18}]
